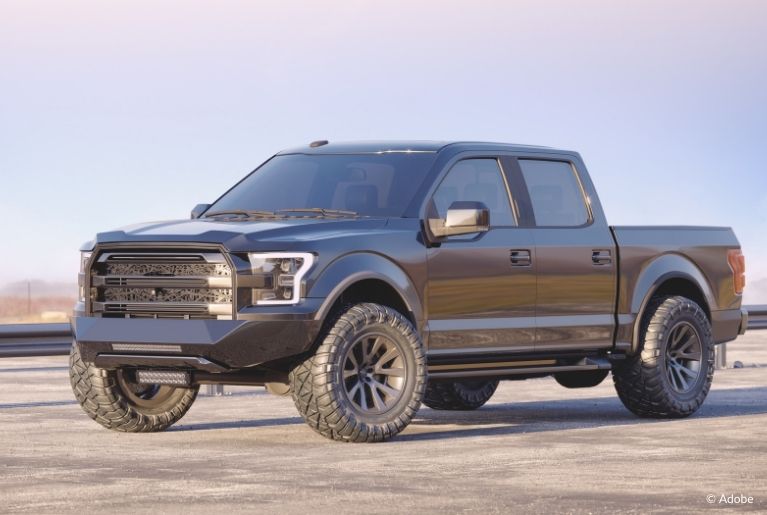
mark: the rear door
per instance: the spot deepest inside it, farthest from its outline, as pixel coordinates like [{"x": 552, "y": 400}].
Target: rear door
[
  {"x": 575, "y": 256},
  {"x": 481, "y": 287}
]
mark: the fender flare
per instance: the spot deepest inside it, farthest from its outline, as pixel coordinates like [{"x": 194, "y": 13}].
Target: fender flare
[
  {"x": 352, "y": 268},
  {"x": 660, "y": 270}
]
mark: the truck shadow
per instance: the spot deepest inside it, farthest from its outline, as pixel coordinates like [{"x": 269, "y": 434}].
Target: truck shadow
[{"x": 561, "y": 415}]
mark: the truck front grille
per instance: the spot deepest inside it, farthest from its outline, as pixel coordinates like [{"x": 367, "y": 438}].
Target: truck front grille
[{"x": 167, "y": 284}]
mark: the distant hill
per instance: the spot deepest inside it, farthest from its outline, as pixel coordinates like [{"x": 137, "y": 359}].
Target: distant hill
[{"x": 39, "y": 288}]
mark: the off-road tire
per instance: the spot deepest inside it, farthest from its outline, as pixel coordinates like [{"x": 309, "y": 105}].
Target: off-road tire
[
  {"x": 101, "y": 395},
  {"x": 642, "y": 381},
  {"x": 459, "y": 395},
  {"x": 319, "y": 384},
  {"x": 581, "y": 379}
]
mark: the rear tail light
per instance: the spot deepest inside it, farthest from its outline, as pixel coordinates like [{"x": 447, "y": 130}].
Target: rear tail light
[{"x": 737, "y": 262}]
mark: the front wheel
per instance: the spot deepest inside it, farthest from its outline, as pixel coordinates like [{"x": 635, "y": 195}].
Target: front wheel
[
  {"x": 366, "y": 380},
  {"x": 114, "y": 398},
  {"x": 671, "y": 376}
]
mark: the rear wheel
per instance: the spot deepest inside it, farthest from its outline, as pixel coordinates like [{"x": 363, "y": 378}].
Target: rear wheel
[
  {"x": 366, "y": 380},
  {"x": 114, "y": 398},
  {"x": 459, "y": 395},
  {"x": 671, "y": 376}
]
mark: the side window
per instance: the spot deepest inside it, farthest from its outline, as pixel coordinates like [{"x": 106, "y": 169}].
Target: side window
[
  {"x": 477, "y": 180},
  {"x": 555, "y": 193}
]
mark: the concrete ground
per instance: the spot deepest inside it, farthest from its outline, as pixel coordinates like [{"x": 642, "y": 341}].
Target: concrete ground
[{"x": 536, "y": 447}]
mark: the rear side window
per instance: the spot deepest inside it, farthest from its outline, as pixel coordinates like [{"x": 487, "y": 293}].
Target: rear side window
[
  {"x": 555, "y": 193},
  {"x": 477, "y": 180}
]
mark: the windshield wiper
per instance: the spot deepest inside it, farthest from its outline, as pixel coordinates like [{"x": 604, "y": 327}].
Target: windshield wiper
[
  {"x": 245, "y": 212},
  {"x": 319, "y": 210}
]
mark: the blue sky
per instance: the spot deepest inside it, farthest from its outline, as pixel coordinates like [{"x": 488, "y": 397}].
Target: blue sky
[{"x": 118, "y": 112}]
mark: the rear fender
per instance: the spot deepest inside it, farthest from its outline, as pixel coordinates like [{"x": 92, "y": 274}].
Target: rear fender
[{"x": 660, "y": 270}]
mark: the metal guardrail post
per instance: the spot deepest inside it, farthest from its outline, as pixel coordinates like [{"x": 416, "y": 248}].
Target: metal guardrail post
[
  {"x": 720, "y": 356},
  {"x": 215, "y": 390}
]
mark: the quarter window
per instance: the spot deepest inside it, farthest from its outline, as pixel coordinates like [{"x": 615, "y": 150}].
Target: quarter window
[
  {"x": 555, "y": 193},
  {"x": 477, "y": 180}
]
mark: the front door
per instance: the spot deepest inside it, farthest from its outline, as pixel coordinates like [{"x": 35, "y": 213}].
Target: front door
[{"x": 482, "y": 287}]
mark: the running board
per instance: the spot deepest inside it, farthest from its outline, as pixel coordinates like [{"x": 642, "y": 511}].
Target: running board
[{"x": 516, "y": 368}]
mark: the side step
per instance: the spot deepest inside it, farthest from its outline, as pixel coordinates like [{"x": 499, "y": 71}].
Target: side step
[{"x": 516, "y": 368}]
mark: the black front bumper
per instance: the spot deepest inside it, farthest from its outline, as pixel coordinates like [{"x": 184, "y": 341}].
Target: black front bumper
[{"x": 226, "y": 344}]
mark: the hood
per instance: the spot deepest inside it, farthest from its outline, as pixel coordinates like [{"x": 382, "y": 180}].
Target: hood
[{"x": 252, "y": 235}]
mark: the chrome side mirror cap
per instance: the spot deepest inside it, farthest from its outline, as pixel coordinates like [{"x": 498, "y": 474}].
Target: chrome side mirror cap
[{"x": 463, "y": 217}]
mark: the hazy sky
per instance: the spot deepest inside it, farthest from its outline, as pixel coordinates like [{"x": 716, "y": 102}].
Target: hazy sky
[{"x": 117, "y": 112}]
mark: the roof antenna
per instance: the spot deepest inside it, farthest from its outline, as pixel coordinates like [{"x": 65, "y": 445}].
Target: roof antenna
[{"x": 318, "y": 143}]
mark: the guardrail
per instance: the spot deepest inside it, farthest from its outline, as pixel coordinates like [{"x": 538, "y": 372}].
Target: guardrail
[
  {"x": 757, "y": 317},
  {"x": 27, "y": 340}
]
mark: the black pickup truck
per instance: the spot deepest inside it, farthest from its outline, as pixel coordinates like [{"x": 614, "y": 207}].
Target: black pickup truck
[{"x": 365, "y": 279}]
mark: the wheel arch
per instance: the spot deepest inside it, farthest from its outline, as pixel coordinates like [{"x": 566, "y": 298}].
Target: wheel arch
[
  {"x": 670, "y": 274},
  {"x": 366, "y": 277}
]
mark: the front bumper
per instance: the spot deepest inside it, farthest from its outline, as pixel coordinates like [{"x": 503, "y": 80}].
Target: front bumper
[{"x": 225, "y": 344}]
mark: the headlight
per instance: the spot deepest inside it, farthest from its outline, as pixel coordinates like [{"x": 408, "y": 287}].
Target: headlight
[
  {"x": 85, "y": 257},
  {"x": 280, "y": 275}
]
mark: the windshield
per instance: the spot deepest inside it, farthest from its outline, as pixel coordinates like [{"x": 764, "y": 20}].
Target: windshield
[{"x": 362, "y": 184}]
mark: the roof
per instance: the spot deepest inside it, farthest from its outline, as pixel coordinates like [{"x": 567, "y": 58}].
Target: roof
[{"x": 412, "y": 146}]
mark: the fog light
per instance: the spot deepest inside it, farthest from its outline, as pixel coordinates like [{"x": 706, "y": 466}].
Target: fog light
[{"x": 169, "y": 377}]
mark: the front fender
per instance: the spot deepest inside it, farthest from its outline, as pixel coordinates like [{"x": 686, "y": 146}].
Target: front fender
[{"x": 352, "y": 268}]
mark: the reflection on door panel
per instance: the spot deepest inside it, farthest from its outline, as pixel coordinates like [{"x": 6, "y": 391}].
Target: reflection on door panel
[
  {"x": 476, "y": 299},
  {"x": 576, "y": 290}
]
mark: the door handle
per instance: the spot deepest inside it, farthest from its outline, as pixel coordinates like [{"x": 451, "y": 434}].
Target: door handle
[
  {"x": 520, "y": 258},
  {"x": 601, "y": 257}
]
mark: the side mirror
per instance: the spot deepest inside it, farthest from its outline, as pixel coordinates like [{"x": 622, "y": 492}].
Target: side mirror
[
  {"x": 463, "y": 217},
  {"x": 198, "y": 210}
]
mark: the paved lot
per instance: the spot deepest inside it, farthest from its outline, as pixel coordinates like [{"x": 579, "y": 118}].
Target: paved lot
[{"x": 535, "y": 447}]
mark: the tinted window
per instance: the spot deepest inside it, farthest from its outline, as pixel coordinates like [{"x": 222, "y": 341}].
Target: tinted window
[
  {"x": 477, "y": 180},
  {"x": 371, "y": 185},
  {"x": 555, "y": 193}
]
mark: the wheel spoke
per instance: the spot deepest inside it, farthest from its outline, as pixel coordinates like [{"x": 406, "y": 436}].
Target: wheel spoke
[
  {"x": 364, "y": 397},
  {"x": 349, "y": 373},
  {"x": 354, "y": 389},
  {"x": 672, "y": 377},
  {"x": 389, "y": 355},
  {"x": 378, "y": 402},
  {"x": 386, "y": 389},
  {"x": 397, "y": 372},
  {"x": 685, "y": 384},
  {"x": 353, "y": 359},
  {"x": 692, "y": 374},
  {"x": 376, "y": 346},
  {"x": 690, "y": 356},
  {"x": 676, "y": 338},
  {"x": 686, "y": 345}
]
